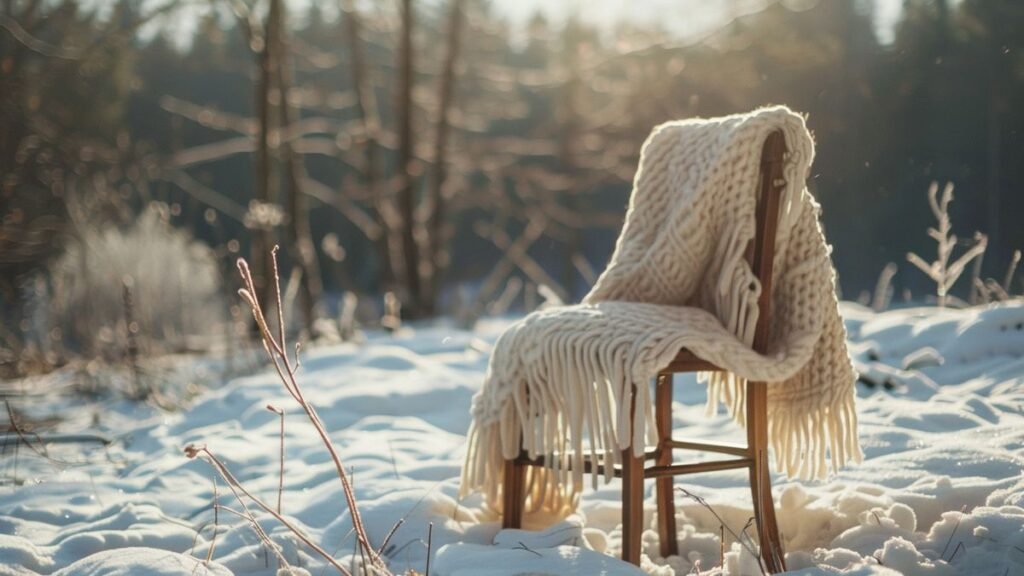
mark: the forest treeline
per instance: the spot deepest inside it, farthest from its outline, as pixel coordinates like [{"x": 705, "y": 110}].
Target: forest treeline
[{"x": 432, "y": 151}]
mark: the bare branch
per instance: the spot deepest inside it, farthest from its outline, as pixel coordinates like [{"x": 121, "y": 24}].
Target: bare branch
[
  {"x": 36, "y": 45},
  {"x": 208, "y": 196}
]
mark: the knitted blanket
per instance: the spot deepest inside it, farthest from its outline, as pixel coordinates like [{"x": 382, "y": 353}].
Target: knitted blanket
[{"x": 559, "y": 380}]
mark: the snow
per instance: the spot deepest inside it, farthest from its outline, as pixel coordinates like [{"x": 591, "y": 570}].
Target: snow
[
  {"x": 132, "y": 561},
  {"x": 942, "y": 425}
]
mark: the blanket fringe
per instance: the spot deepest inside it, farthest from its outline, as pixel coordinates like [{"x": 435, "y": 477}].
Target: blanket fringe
[{"x": 804, "y": 442}]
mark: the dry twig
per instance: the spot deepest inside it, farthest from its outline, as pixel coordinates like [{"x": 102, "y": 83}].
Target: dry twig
[{"x": 280, "y": 475}]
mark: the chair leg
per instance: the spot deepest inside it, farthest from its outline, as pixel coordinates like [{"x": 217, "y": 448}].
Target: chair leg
[
  {"x": 764, "y": 511},
  {"x": 760, "y": 478},
  {"x": 667, "y": 535},
  {"x": 632, "y": 496},
  {"x": 513, "y": 498},
  {"x": 632, "y": 506}
]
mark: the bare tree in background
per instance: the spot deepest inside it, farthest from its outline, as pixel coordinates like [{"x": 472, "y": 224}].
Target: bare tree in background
[
  {"x": 275, "y": 142},
  {"x": 266, "y": 191},
  {"x": 407, "y": 136},
  {"x": 518, "y": 189},
  {"x": 407, "y": 197},
  {"x": 387, "y": 242},
  {"x": 438, "y": 234},
  {"x": 407, "y": 165},
  {"x": 301, "y": 237}
]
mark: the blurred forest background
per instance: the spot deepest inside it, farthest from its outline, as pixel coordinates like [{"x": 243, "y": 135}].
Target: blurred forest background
[{"x": 416, "y": 159}]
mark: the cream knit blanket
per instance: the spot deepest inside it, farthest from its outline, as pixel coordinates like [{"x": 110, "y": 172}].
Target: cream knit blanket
[{"x": 559, "y": 380}]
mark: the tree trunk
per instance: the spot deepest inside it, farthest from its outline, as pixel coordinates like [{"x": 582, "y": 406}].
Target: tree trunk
[
  {"x": 300, "y": 235},
  {"x": 437, "y": 234},
  {"x": 570, "y": 135},
  {"x": 263, "y": 237},
  {"x": 388, "y": 245},
  {"x": 406, "y": 160}
]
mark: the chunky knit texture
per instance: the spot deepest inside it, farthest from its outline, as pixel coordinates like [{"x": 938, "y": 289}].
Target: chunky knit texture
[{"x": 559, "y": 380}]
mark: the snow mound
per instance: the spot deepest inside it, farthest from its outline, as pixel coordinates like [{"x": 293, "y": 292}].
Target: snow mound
[{"x": 135, "y": 561}]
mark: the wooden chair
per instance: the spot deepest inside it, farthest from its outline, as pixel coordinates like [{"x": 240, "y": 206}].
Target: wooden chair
[{"x": 753, "y": 456}]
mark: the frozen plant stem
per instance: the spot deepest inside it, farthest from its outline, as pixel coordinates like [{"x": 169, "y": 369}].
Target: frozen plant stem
[
  {"x": 131, "y": 327},
  {"x": 963, "y": 509},
  {"x": 193, "y": 451},
  {"x": 1010, "y": 270},
  {"x": 280, "y": 472},
  {"x": 430, "y": 545},
  {"x": 721, "y": 546},
  {"x": 216, "y": 523},
  {"x": 391, "y": 533},
  {"x": 239, "y": 490},
  {"x": 276, "y": 351},
  {"x": 721, "y": 522},
  {"x": 883, "y": 288}
]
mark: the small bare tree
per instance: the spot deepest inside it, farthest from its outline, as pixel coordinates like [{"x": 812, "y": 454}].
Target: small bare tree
[{"x": 941, "y": 271}]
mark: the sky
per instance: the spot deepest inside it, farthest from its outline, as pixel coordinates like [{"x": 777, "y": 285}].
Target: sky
[{"x": 684, "y": 17}]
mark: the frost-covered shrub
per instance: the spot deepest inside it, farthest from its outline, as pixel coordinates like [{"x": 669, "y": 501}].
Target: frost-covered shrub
[
  {"x": 173, "y": 282},
  {"x": 943, "y": 272}
]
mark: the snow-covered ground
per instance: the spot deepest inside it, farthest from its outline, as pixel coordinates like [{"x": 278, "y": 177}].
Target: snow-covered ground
[{"x": 942, "y": 428}]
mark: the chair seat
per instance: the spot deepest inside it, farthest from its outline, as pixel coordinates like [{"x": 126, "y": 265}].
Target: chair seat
[
  {"x": 687, "y": 361},
  {"x": 646, "y": 338}
]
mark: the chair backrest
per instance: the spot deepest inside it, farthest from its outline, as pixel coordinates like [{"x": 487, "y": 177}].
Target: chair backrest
[{"x": 762, "y": 255}]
